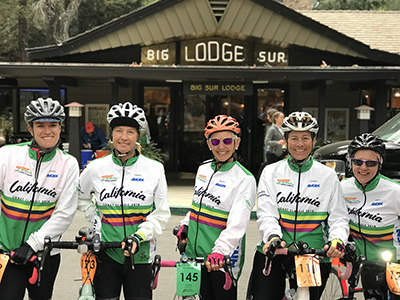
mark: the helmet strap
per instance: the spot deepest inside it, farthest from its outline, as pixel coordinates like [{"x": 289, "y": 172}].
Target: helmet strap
[
  {"x": 223, "y": 162},
  {"x": 119, "y": 154},
  {"x": 34, "y": 145}
]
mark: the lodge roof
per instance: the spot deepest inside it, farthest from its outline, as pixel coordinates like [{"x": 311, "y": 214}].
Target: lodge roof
[
  {"x": 263, "y": 21},
  {"x": 377, "y": 29}
]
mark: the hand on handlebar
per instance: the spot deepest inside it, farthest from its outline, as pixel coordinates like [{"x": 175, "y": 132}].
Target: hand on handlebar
[
  {"x": 335, "y": 248},
  {"x": 214, "y": 262},
  {"x": 132, "y": 243},
  {"x": 276, "y": 241},
  {"x": 22, "y": 255}
]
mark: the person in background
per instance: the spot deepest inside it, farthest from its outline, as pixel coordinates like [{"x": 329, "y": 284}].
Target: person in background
[
  {"x": 274, "y": 141},
  {"x": 38, "y": 184},
  {"x": 268, "y": 123},
  {"x": 299, "y": 199},
  {"x": 373, "y": 203},
  {"x": 92, "y": 137},
  {"x": 124, "y": 195},
  {"x": 222, "y": 202}
]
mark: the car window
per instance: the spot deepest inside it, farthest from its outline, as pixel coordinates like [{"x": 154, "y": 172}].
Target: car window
[{"x": 390, "y": 131}]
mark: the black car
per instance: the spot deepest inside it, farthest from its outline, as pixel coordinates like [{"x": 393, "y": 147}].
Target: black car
[{"x": 336, "y": 153}]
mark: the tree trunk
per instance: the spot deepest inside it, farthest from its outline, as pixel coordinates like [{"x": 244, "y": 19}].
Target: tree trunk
[{"x": 22, "y": 31}]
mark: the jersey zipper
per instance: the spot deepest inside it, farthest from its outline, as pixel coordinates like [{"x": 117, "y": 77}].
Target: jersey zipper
[{"x": 37, "y": 168}]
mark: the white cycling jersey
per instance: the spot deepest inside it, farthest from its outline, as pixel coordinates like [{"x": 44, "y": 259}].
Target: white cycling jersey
[
  {"x": 220, "y": 212},
  {"x": 48, "y": 183},
  {"x": 374, "y": 213},
  {"x": 128, "y": 198},
  {"x": 305, "y": 205}
]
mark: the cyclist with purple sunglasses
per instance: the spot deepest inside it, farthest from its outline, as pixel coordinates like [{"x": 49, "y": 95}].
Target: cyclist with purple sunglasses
[
  {"x": 223, "y": 198},
  {"x": 373, "y": 202}
]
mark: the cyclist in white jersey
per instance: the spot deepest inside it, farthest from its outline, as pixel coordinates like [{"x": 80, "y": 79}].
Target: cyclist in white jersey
[
  {"x": 299, "y": 199},
  {"x": 222, "y": 202},
  {"x": 373, "y": 202},
  {"x": 130, "y": 202},
  {"x": 38, "y": 184}
]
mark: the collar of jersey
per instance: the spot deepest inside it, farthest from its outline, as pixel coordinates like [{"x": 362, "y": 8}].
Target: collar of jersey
[
  {"x": 224, "y": 167},
  {"x": 304, "y": 167},
  {"x": 47, "y": 157},
  {"x": 129, "y": 162},
  {"x": 370, "y": 186}
]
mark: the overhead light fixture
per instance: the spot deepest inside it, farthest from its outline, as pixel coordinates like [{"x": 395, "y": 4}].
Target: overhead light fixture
[
  {"x": 173, "y": 80},
  {"x": 260, "y": 81}
]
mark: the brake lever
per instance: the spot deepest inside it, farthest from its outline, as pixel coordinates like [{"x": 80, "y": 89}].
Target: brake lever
[{"x": 128, "y": 247}]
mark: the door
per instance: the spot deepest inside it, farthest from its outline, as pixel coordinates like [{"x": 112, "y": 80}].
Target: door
[{"x": 197, "y": 110}]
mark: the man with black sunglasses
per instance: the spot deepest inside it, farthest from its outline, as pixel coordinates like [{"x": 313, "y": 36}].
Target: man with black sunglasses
[{"x": 373, "y": 202}]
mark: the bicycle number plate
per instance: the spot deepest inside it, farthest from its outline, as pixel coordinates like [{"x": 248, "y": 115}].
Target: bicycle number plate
[
  {"x": 88, "y": 267},
  {"x": 308, "y": 272},
  {"x": 188, "y": 279},
  {"x": 3, "y": 264},
  {"x": 393, "y": 277}
]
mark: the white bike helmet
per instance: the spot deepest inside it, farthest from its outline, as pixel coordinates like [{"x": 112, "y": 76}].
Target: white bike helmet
[
  {"x": 126, "y": 115},
  {"x": 44, "y": 110},
  {"x": 300, "y": 121}
]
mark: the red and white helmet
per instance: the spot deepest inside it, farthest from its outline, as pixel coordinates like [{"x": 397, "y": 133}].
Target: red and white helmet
[{"x": 221, "y": 123}]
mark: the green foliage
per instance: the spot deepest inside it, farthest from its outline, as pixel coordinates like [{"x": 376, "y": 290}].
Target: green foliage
[
  {"x": 93, "y": 13},
  {"x": 358, "y": 5},
  {"x": 52, "y": 21},
  {"x": 151, "y": 151}
]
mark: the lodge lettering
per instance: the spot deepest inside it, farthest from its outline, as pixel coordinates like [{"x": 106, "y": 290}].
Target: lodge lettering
[
  {"x": 212, "y": 51},
  {"x": 217, "y": 88}
]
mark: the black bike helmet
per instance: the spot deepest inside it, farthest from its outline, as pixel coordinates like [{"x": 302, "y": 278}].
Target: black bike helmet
[{"x": 367, "y": 141}]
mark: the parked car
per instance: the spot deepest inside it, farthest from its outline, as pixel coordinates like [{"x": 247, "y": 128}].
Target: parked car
[{"x": 389, "y": 132}]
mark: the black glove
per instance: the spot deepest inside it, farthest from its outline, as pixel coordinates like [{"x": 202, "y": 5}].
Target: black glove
[
  {"x": 134, "y": 239},
  {"x": 182, "y": 233},
  {"x": 23, "y": 254},
  {"x": 275, "y": 241}
]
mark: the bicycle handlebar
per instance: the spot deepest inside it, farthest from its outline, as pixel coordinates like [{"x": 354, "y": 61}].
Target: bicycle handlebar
[
  {"x": 158, "y": 264},
  {"x": 89, "y": 244}
]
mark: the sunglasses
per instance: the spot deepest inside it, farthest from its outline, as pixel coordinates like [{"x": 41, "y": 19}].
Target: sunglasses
[
  {"x": 369, "y": 163},
  {"x": 227, "y": 141}
]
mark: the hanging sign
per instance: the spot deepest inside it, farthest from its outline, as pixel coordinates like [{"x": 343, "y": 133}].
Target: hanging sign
[{"x": 218, "y": 88}]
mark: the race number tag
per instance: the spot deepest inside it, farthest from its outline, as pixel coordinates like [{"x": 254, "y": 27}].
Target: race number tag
[
  {"x": 88, "y": 267},
  {"x": 308, "y": 272},
  {"x": 188, "y": 279},
  {"x": 3, "y": 264},
  {"x": 393, "y": 277}
]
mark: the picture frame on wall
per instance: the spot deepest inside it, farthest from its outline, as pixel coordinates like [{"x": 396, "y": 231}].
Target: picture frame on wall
[{"x": 161, "y": 109}]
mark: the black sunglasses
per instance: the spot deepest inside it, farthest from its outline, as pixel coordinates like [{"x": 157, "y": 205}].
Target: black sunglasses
[
  {"x": 369, "y": 163},
  {"x": 226, "y": 141}
]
